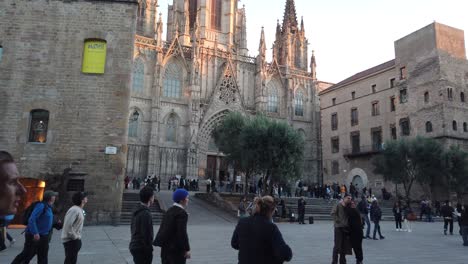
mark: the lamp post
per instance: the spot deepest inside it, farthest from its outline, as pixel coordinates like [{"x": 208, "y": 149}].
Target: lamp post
[{"x": 135, "y": 116}]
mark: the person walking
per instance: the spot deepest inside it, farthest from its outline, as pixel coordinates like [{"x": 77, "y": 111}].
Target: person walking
[
  {"x": 376, "y": 216},
  {"x": 11, "y": 189},
  {"x": 397, "y": 213},
  {"x": 37, "y": 231},
  {"x": 356, "y": 233},
  {"x": 172, "y": 236},
  {"x": 447, "y": 213},
  {"x": 363, "y": 208},
  {"x": 341, "y": 228},
  {"x": 301, "y": 210},
  {"x": 464, "y": 224},
  {"x": 72, "y": 227},
  {"x": 258, "y": 239},
  {"x": 141, "y": 228}
]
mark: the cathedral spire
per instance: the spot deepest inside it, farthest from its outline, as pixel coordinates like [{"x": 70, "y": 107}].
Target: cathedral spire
[
  {"x": 262, "y": 46},
  {"x": 313, "y": 66},
  {"x": 159, "y": 31},
  {"x": 290, "y": 18},
  {"x": 302, "y": 24}
]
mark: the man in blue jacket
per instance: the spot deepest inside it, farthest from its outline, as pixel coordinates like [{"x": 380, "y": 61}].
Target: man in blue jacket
[{"x": 37, "y": 231}]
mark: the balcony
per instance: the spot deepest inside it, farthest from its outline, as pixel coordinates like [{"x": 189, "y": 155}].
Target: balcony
[{"x": 362, "y": 151}]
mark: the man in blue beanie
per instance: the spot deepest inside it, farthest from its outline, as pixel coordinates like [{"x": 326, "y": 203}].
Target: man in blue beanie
[{"x": 172, "y": 236}]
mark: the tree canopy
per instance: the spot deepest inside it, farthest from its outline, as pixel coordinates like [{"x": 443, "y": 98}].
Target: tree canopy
[
  {"x": 261, "y": 145},
  {"x": 407, "y": 161}
]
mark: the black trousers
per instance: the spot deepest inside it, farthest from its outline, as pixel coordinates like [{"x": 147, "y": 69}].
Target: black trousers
[
  {"x": 142, "y": 256},
  {"x": 356, "y": 243},
  {"x": 339, "y": 247},
  {"x": 71, "y": 251},
  {"x": 172, "y": 257},
  {"x": 446, "y": 223},
  {"x": 398, "y": 221},
  {"x": 31, "y": 248}
]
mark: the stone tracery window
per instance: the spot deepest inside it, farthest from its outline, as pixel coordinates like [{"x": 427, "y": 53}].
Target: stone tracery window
[
  {"x": 172, "y": 81},
  {"x": 39, "y": 122},
  {"x": 138, "y": 75},
  {"x": 171, "y": 128},
  {"x": 299, "y": 104},
  {"x": 273, "y": 101}
]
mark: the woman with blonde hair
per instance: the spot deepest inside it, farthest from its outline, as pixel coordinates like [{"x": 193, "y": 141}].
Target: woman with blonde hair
[{"x": 258, "y": 239}]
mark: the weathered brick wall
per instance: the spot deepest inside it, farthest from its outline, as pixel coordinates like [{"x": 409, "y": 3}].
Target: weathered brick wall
[{"x": 41, "y": 69}]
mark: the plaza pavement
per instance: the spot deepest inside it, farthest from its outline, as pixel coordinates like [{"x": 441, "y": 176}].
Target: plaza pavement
[{"x": 210, "y": 235}]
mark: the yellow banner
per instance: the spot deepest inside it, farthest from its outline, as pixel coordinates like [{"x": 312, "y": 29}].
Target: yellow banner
[{"x": 94, "y": 56}]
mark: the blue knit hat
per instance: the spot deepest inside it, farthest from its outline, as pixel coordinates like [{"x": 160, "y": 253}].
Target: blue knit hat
[{"x": 179, "y": 195}]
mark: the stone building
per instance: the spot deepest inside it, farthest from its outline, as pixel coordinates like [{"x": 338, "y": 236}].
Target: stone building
[
  {"x": 184, "y": 86},
  {"x": 420, "y": 92},
  {"x": 65, "y": 74}
]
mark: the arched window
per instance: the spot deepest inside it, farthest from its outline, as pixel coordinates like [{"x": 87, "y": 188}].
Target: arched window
[
  {"x": 465, "y": 127},
  {"x": 138, "y": 75},
  {"x": 462, "y": 97},
  {"x": 1, "y": 53},
  {"x": 39, "y": 122},
  {"x": 454, "y": 125},
  {"x": 428, "y": 127},
  {"x": 272, "y": 103},
  {"x": 171, "y": 128},
  {"x": 426, "y": 97},
  {"x": 216, "y": 14},
  {"x": 133, "y": 124},
  {"x": 299, "y": 104},
  {"x": 172, "y": 81}
]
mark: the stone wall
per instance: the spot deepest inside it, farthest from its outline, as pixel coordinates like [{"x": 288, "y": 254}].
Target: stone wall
[{"x": 43, "y": 45}]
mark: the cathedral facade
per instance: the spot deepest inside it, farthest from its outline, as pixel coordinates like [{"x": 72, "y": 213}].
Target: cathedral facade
[{"x": 183, "y": 87}]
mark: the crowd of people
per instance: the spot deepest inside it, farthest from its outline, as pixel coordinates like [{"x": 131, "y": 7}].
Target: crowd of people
[{"x": 256, "y": 236}]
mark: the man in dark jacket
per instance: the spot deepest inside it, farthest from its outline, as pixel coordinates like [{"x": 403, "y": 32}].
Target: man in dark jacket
[
  {"x": 464, "y": 224},
  {"x": 447, "y": 213},
  {"x": 301, "y": 210},
  {"x": 363, "y": 208},
  {"x": 142, "y": 228},
  {"x": 341, "y": 225},
  {"x": 376, "y": 216},
  {"x": 172, "y": 236}
]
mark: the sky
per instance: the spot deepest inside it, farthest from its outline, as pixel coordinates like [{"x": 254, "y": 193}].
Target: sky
[{"x": 348, "y": 36}]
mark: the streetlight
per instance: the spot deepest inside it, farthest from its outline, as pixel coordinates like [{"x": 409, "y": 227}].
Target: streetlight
[{"x": 135, "y": 116}]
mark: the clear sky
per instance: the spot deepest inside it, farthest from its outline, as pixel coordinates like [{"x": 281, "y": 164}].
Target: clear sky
[{"x": 349, "y": 36}]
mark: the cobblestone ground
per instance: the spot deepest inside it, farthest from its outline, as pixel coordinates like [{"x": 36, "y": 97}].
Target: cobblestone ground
[{"x": 310, "y": 243}]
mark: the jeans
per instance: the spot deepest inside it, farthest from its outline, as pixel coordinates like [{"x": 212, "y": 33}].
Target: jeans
[
  {"x": 377, "y": 228},
  {"x": 142, "y": 256},
  {"x": 446, "y": 223},
  {"x": 365, "y": 218},
  {"x": 71, "y": 251},
  {"x": 31, "y": 248},
  {"x": 465, "y": 235}
]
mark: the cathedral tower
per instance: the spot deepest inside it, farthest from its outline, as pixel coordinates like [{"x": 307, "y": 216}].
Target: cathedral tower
[{"x": 290, "y": 46}]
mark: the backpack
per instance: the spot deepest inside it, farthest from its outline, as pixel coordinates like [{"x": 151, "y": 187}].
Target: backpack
[{"x": 28, "y": 212}]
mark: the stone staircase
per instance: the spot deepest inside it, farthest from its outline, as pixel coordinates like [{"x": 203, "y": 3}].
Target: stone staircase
[
  {"x": 130, "y": 201},
  {"x": 320, "y": 209}
]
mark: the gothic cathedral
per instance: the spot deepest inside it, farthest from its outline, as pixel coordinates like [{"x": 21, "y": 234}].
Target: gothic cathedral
[{"x": 184, "y": 86}]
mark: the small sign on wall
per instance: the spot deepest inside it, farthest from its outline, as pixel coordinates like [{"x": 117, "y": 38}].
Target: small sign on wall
[
  {"x": 94, "y": 56},
  {"x": 111, "y": 150}
]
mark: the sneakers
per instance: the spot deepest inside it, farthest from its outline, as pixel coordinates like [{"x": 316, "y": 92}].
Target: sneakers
[
  {"x": 409, "y": 230},
  {"x": 382, "y": 237}
]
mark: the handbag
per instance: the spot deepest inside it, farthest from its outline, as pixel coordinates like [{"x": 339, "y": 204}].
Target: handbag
[{"x": 411, "y": 216}]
